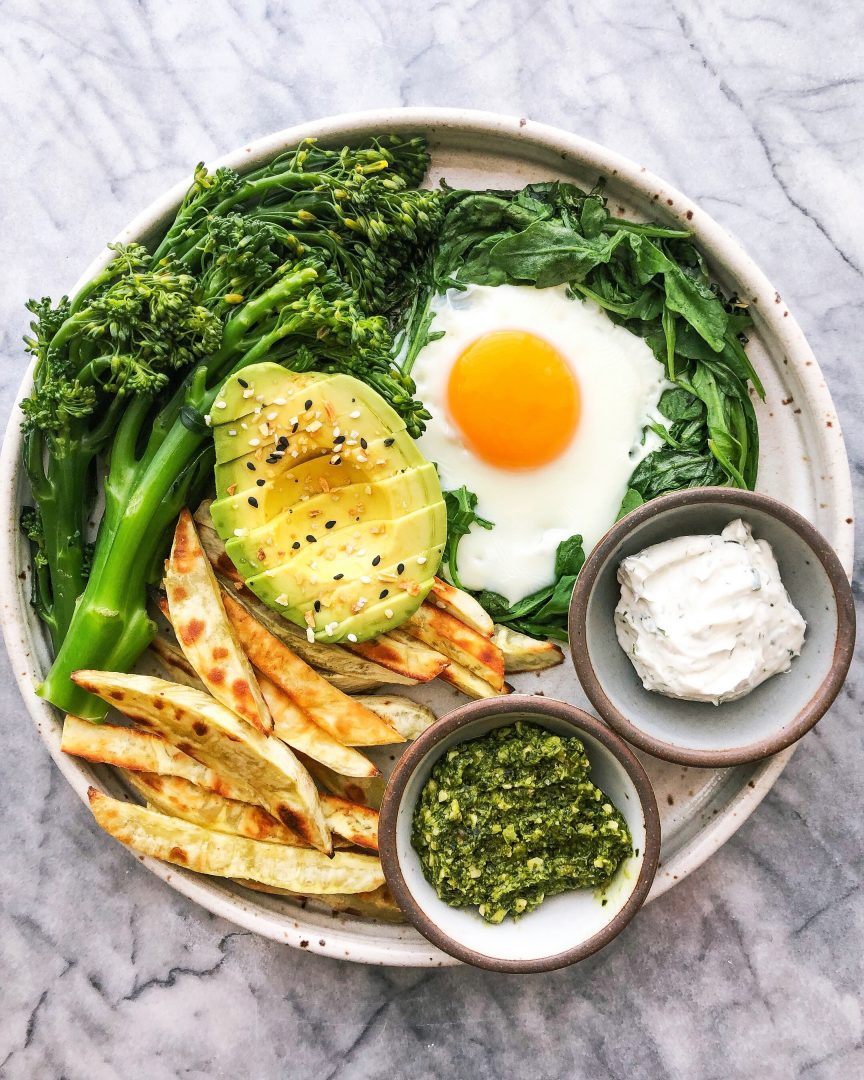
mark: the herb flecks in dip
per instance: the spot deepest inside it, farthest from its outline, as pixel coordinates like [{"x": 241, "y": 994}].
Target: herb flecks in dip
[{"x": 510, "y": 818}]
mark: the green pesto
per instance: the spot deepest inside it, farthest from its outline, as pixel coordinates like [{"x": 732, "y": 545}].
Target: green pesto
[{"x": 512, "y": 817}]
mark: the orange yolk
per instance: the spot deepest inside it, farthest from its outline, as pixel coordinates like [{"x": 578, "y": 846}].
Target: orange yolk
[{"x": 514, "y": 399}]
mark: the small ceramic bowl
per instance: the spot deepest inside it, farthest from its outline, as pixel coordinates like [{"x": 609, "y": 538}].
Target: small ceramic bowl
[
  {"x": 564, "y": 928},
  {"x": 775, "y": 714}
]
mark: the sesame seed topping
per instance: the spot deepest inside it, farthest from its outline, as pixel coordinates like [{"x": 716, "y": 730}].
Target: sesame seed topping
[
  {"x": 310, "y": 635},
  {"x": 254, "y": 442},
  {"x": 376, "y": 560},
  {"x": 329, "y": 524},
  {"x": 317, "y": 605},
  {"x": 260, "y": 482},
  {"x": 389, "y": 442},
  {"x": 310, "y": 539},
  {"x": 388, "y": 612},
  {"x": 339, "y": 439},
  {"x": 382, "y": 594},
  {"x": 338, "y": 577},
  {"x": 355, "y": 415},
  {"x": 243, "y": 383},
  {"x": 308, "y": 404},
  {"x": 207, "y": 419},
  {"x": 282, "y": 599},
  {"x": 351, "y": 637},
  {"x": 279, "y": 401},
  {"x": 366, "y": 579},
  {"x": 329, "y": 628},
  {"x": 362, "y": 457},
  {"x": 421, "y": 559},
  {"x": 221, "y": 405},
  {"x": 248, "y": 393},
  {"x": 364, "y": 444},
  {"x": 250, "y": 466},
  {"x": 253, "y": 501},
  {"x": 296, "y": 545},
  {"x": 335, "y": 460},
  {"x": 272, "y": 415},
  {"x": 400, "y": 569},
  {"x": 240, "y": 532},
  {"x": 232, "y": 431}
]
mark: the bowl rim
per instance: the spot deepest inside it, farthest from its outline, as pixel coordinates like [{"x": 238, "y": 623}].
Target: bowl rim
[
  {"x": 426, "y": 744},
  {"x": 819, "y": 702}
]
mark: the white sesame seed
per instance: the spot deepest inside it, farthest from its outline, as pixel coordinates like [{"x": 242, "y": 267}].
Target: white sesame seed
[
  {"x": 279, "y": 401},
  {"x": 313, "y": 427},
  {"x": 245, "y": 427},
  {"x": 221, "y": 405},
  {"x": 421, "y": 559},
  {"x": 240, "y": 532},
  {"x": 254, "y": 442},
  {"x": 310, "y": 635},
  {"x": 259, "y": 397},
  {"x": 232, "y": 431},
  {"x": 362, "y": 457},
  {"x": 264, "y": 429},
  {"x": 282, "y": 599},
  {"x": 272, "y": 415},
  {"x": 366, "y": 580},
  {"x": 355, "y": 415},
  {"x": 329, "y": 628},
  {"x": 351, "y": 637},
  {"x": 248, "y": 392},
  {"x": 388, "y": 612},
  {"x": 207, "y": 419}
]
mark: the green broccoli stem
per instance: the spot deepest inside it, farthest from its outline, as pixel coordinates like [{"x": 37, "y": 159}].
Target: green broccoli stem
[{"x": 110, "y": 627}]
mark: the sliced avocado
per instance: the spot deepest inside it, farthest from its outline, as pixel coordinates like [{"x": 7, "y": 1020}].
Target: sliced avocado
[{"x": 331, "y": 496}]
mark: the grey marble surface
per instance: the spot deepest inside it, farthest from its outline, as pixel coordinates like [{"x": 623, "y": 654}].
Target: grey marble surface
[{"x": 751, "y": 967}]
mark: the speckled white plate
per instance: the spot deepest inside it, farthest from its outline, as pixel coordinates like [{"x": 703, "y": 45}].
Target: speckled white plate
[{"x": 803, "y": 462}]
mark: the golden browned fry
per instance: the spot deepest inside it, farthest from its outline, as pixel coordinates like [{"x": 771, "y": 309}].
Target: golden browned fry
[
  {"x": 294, "y": 727},
  {"x": 353, "y": 821},
  {"x": 177, "y": 797},
  {"x": 214, "y": 735},
  {"x": 335, "y": 712},
  {"x": 523, "y": 653},
  {"x": 402, "y": 654},
  {"x": 469, "y": 683},
  {"x": 212, "y": 544},
  {"x": 204, "y": 631},
  {"x": 224, "y": 855},
  {"x": 408, "y": 717},
  {"x": 378, "y": 904},
  {"x": 459, "y": 642},
  {"x": 141, "y": 751},
  {"x": 461, "y": 605},
  {"x": 365, "y": 790}
]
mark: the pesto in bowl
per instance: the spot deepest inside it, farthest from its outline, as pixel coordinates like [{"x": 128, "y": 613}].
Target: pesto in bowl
[{"x": 511, "y": 817}]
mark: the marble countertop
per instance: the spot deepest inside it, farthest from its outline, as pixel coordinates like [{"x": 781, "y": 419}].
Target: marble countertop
[{"x": 750, "y": 967}]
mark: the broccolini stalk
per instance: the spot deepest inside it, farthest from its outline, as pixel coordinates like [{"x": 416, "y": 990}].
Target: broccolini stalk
[{"x": 299, "y": 263}]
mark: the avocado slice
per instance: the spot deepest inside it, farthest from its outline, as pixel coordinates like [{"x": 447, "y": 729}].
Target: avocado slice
[{"x": 326, "y": 506}]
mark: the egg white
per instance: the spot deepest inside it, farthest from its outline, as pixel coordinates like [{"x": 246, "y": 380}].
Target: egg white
[{"x": 620, "y": 384}]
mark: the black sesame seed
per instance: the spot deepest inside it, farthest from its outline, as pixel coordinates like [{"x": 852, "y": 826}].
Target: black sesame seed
[
  {"x": 310, "y": 539},
  {"x": 376, "y": 560},
  {"x": 243, "y": 383},
  {"x": 250, "y": 466},
  {"x": 296, "y": 545},
  {"x": 389, "y": 442},
  {"x": 317, "y": 605},
  {"x": 260, "y": 482},
  {"x": 271, "y": 460},
  {"x": 283, "y": 442},
  {"x": 308, "y": 404},
  {"x": 400, "y": 569},
  {"x": 253, "y": 501},
  {"x": 364, "y": 444},
  {"x": 336, "y": 461},
  {"x": 383, "y": 593},
  {"x": 329, "y": 524},
  {"x": 338, "y": 577},
  {"x": 339, "y": 439},
  {"x": 294, "y": 428}
]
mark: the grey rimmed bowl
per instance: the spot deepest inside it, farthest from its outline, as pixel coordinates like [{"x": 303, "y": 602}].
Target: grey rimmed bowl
[
  {"x": 564, "y": 928},
  {"x": 775, "y": 714}
]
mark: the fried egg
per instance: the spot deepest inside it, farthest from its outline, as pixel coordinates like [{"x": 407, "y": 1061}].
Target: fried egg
[{"x": 538, "y": 405}]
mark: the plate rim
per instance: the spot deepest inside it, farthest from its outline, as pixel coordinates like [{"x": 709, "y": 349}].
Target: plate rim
[{"x": 340, "y": 940}]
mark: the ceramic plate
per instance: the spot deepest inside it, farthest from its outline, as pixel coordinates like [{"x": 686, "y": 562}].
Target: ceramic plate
[{"x": 803, "y": 462}]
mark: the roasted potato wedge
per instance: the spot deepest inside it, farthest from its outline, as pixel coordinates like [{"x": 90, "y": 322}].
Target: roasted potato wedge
[
  {"x": 408, "y": 717},
  {"x": 364, "y": 790},
  {"x": 469, "y": 683},
  {"x": 180, "y": 798},
  {"x": 294, "y": 727},
  {"x": 350, "y": 684},
  {"x": 218, "y": 738},
  {"x": 204, "y": 631},
  {"x": 172, "y": 660},
  {"x": 223, "y": 855},
  {"x": 352, "y": 821},
  {"x": 402, "y": 654},
  {"x": 335, "y": 712},
  {"x": 461, "y": 605},
  {"x": 444, "y": 632},
  {"x": 523, "y": 653},
  {"x": 378, "y": 904}
]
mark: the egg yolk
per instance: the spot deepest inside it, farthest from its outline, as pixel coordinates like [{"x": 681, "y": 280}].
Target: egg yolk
[{"x": 514, "y": 399}]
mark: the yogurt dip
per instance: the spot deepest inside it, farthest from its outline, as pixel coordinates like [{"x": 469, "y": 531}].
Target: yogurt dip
[{"x": 707, "y": 618}]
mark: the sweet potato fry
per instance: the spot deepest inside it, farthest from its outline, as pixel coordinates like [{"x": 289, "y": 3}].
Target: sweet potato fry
[
  {"x": 294, "y": 727},
  {"x": 444, "y": 632},
  {"x": 402, "y": 654},
  {"x": 408, "y": 717},
  {"x": 378, "y": 904},
  {"x": 469, "y": 683},
  {"x": 365, "y": 790},
  {"x": 523, "y": 653},
  {"x": 224, "y": 855},
  {"x": 204, "y": 632},
  {"x": 219, "y": 739},
  {"x": 461, "y": 605},
  {"x": 354, "y": 822},
  {"x": 335, "y": 712}
]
